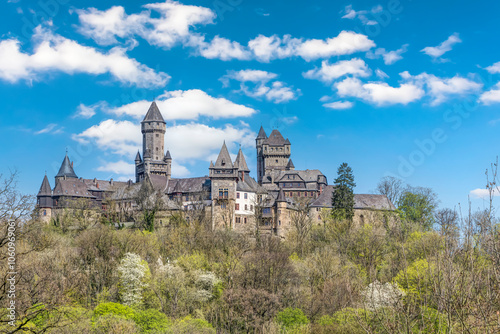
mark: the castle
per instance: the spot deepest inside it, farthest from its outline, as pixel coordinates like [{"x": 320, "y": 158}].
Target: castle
[{"x": 227, "y": 197}]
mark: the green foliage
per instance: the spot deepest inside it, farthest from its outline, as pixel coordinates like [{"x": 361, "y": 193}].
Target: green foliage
[
  {"x": 113, "y": 324},
  {"x": 151, "y": 321},
  {"x": 116, "y": 309},
  {"x": 416, "y": 280},
  {"x": 189, "y": 325},
  {"x": 292, "y": 317},
  {"x": 343, "y": 196},
  {"x": 418, "y": 207},
  {"x": 431, "y": 321}
]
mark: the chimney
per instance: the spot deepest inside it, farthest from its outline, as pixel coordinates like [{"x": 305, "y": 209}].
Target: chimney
[{"x": 111, "y": 181}]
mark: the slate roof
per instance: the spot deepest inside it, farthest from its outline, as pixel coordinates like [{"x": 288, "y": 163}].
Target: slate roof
[
  {"x": 45, "y": 189},
  {"x": 153, "y": 114},
  {"x": 262, "y": 133},
  {"x": 102, "y": 185},
  {"x": 66, "y": 169},
  {"x": 138, "y": 157},
  {"x": 224, "y": 159},
  {"x": 276, "y": 139},
  {"x": 281, "y": 196},
  {"x": 361, "y": 201},
  {"x": 240, "y": 162},
  {"x": 188, "y": 185},
  {"x": 167, "y": 155},
  {"x": 290, "y": 164},
  {"x": 72, "y": 188},
  {"x": 248, "y": 184}
]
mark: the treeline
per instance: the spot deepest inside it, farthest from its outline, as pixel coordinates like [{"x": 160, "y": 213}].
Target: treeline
[{"x": 428, "y": 271}]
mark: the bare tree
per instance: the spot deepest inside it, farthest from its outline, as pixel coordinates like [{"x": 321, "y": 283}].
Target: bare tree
[
  {"x": 301, "y": 220},
  {"x": 391, "y": 187},
  {"x": 13, "y": 204},
  {"x": 149, "y": 202}
]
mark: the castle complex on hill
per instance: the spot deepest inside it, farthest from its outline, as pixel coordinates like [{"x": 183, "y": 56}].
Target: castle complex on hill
[{"x": 227, "y": 197}]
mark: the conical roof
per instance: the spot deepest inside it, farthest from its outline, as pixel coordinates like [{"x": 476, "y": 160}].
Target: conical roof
[
  {"x": 224, "y": 159},
  {"x": 281, "y": 196},
  {"x": 290, "y": 164},
  {"x": 138, "y": 157},
  {"x": 167, "y": 155},
  {"x": 276, "y": 139},
  {"x": 66, "y": 169},
  {"x": 262, "y": 133},
  {"x": 153, "y": 114},
  {"x": 240, "y": 162},
  {"x": 45, "y": 188}
]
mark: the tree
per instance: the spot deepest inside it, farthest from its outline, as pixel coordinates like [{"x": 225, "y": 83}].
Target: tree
[
  {"x": 417, "y": 205},
  {"x": 343, "y": 196},
  {"x": 391, "y": 187},
  {"x": 134, "y": 274},
  {"x": 301, "y": 221},
  {"x": 149, "y": 202}
]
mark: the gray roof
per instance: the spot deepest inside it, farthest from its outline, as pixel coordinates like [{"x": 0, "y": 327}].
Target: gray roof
[
  {"x": 153, "y": 114},
  {"x": 290, "y": 164},
  {"x": 247, "y": 184},
  {"x": 138, "y": 157},
  {"x": 276, "y": 139},
  {"x": 45, "y": 188},
  {"x": 262, "y": 133},
  {"x": 167, "y": 155},
  {"x": 72, "y": 188},
  {"x": 361, "y": 201},
  {"x": 240, "y": 162},
  {"x": 281, "y": 196},
  {"x": 66, "y": 169},
  {"x": 188, "y": 185},
  {"x": 224, "y": 159}
]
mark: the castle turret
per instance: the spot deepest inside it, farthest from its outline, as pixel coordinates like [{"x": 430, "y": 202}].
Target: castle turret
[
  {"x": 66, "y": 170},
  {"x": 259, "y": 141},
  {"x": 223, "y": 177},
  {"x": 168, "y": 160},
  {"x": 44, "y": 200},
  {"x": 153, "y": 128},
  {"x": 273, "y": 154}
]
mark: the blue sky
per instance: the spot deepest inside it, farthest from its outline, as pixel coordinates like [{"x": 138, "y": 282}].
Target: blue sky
[{"x": 403, "y": 88}]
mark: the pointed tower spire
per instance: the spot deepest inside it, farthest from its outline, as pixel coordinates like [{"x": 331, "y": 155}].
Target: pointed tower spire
[
  {"x": 138, "y": 158},
  {"x": 168, "y": 156},
  {"x": 290, "y": 165},
  {"x": 66, "y": 169},
  {"x": 240, "y": 162},
  {"x": 262, "y": 133},
  {"x": 281, "y": 196},
  {"x": 224, "y": 159},
  {"x": 45, "y": 189},
  {"x": 153, "y": 114}
]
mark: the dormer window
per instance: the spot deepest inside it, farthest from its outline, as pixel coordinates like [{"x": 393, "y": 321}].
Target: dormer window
[{"x": 223, "y": 163}]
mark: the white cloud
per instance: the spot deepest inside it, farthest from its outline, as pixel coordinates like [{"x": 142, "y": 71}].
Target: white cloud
[
  {"x": 495, "y": 68},
  {"x": 390, "y": 57},
  {"x": 347, "y": 42},
  {"x": 54, "y": 53},
  {"x": 492, "y": 96},
  {"x": 441, "y": 89},
  {"x": 438, "y": 51},
  {"x": 120, "y": 167},
  {"x": 327, "y": 73},
  {"x": 221, "y": 48},
  {"x": 186, "y": 105},
  {"x": 119, "y": 137},
  {"x": 276, "y": 91},
  {"x": 351, "y": 14},
  {"x": 483, "y": 193},
  {"x": 379, "y": 93},
  {"x": 84, "y": 111},
  {"x": 381, "y": 74},
  {"x": 50, "y": 129},
  {"x": 171, "y": 27},
  {"x": 339, "y": 105},
  {"x": 266, "y": 48}
]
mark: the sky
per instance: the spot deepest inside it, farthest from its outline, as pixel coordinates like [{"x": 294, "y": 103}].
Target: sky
[{"x": 401, "y": 88}]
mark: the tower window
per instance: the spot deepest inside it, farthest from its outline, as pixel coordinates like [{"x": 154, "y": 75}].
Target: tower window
[
  {"x": 157, "y": 135},
  {"x": 276, "y": 160}
]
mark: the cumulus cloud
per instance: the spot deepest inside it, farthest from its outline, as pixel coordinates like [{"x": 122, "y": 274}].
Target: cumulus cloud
[
  {"x": 339, "y": 105},
  {"x": 86, "y": 112},
  {"x": 329, "y": 72},
  {"x": 119, "y": 167},
  {"x": 389, "y": 57},
  {"x": 491, "y": 96},
  {"x": 441, "y": 49},
  {"x": 441, "y": 89},
  {"x": 495, "y": 68},
  {"x": 261, "y": 85},
  {"x": 54, "y": 53},
  {"x": 379, "y": 93},
  {"x": 361, "y": 15},
  {"x": 186, "y": 105},
  {"x": 483, "y": 193},
  {"x": 220, "y": 48},
  {"x": 171, "y": 27}
]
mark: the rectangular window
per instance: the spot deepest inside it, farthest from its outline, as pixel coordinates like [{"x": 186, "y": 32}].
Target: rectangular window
[
  {"x": 245, "y": 220},
  {"x": 223, "y": 205},
  {"x": 237, "y": 195},
  {"x": 251, "y": 207},
  {"x": 237, "y": 206},
  {"x": 246, "y": 196},
  {"x": 246, "y": 207}
]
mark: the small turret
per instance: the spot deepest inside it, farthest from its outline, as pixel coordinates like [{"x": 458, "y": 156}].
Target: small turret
[
  {"x": 66, "y": 170},
  {"x": 138, "y": 158}
]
